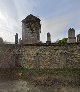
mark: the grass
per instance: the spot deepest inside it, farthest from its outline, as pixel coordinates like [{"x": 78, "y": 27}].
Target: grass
[
  {"x": 62, "y": 71},
  {"x": 51, "y": 76},
  {"x": 45, "y": 76}
]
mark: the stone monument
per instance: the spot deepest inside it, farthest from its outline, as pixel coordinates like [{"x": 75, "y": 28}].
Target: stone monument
[
  {"x": 16, "y": 38},
  {"x": 31, "y": 29},
  {"x": 20, "y": 41},
  {"x": 71, "y": 36},
  {"x": 78, "y": 38},
  {"x": 48, "y": 38}
]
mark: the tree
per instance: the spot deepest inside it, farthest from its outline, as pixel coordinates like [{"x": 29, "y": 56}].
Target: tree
[
  {"x": 63, "y": 41},
  {"x": 1, "y": 41}
]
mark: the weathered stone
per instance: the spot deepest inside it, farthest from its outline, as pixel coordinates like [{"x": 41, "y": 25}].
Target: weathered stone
[
  {"x": 71, "y": 36},
  {"x": 43, "y": 56},
  {"x": 50, "y": 57},
  {"x": 16, "y": 38},
  {"x": 20, "y": 41},
  {"x": 31, "y": 29},
  {"x": 78, "y": 38},
  {"x": 48, "y": 38}
]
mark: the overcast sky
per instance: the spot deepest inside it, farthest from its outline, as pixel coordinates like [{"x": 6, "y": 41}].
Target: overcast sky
[{"x": 57, "y": 16}]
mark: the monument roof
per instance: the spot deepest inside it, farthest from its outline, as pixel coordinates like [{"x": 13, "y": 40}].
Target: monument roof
[
  {"x": 71, "y": 29},
  {"x": 30, "y": 18}
]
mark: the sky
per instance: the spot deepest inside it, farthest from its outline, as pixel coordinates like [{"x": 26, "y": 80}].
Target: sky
[{"x": 57, "y": 16}]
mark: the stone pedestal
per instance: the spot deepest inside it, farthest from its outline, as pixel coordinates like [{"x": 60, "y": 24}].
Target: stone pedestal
[{"x": 71, "y": 40}]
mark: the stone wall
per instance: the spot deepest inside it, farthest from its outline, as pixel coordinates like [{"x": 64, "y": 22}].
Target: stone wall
[
  {"x": 8, "y": 54},
  {"x": 51, "y": 56},
  {"x": 40, "y": 56}
]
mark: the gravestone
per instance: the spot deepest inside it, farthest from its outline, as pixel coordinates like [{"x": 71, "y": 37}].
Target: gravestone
[
  {"x": 71, "y": 36},
  {"x": 78, "y": 38},
  {"x": 48, "y": 38},
  {"x": 16, "y": 38},
  {"x": 20, "y": 41}
]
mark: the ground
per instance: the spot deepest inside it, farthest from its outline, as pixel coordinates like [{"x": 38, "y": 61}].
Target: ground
[{"x": 39, "y": 80}]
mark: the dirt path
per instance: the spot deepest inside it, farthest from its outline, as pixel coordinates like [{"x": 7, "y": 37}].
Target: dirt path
[
  {"x": 23, "y": 86},
  {"x": 17, "y": 86}
]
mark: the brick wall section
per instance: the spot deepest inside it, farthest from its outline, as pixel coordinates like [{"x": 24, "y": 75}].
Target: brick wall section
[{"x": 40, "y": 56}]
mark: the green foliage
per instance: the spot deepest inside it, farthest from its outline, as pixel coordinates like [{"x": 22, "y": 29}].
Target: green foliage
[
  {"x": 56, "y": 71},
  {"x": 63, "y": 41},
  {"x": 69, "y": 76},
  {"x": 1, "y": 40}
]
